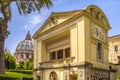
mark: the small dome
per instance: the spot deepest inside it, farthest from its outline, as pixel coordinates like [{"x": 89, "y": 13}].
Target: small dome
[{"x": 26, "y": 44}]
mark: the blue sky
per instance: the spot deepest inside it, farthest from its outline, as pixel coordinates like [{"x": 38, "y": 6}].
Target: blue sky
[{"x": 20, "y": 24}]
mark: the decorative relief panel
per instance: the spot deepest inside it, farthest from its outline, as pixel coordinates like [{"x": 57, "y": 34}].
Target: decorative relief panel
[
  {"x": 99, "y": 74},
  {"x": 54, "y": 21},
  {"x": 81, "y": 74},
  {"x": 98, "y": 33},
  {"x": 98, "y": 15},
  {"x": 40, "y": 73},
  {"x": 46, "y": 65},
  {"x": 66, "y": 74},
  {"x": 87, "y": 72}
]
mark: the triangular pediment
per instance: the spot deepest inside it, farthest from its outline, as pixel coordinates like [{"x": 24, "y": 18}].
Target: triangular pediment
[{"x": 57, "y": 18}]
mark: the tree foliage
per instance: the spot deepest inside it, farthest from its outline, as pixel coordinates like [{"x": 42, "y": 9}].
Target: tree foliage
[
  {"x": 25, "y": 65},
  {"x": 24, "y": 7},
  {"x": 9, "y": 61},
  {"x": 29, "y": 64},
  {"x": 20, "y": 65}
]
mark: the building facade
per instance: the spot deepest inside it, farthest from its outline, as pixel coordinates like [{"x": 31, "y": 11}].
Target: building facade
[
  {"x": 73, "y": 45},
  {"x": 114, "y": 54},
  {"x": 114, "y": 49},
  {"x": 24, "y": 50}
]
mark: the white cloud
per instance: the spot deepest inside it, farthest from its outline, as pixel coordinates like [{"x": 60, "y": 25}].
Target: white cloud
[
  {"x": 32, "y": 22},
  {"x": 35, "y": 19}
]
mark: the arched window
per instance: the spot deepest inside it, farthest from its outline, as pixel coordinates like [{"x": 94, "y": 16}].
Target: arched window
[{"x": 53, "y": 76}]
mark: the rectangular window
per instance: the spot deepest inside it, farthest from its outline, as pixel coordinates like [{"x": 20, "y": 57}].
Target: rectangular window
[
  {"x": 60, "y": 54},
  {"x": 99, "y": 51},
  {"x": 53, "y": 55},
  {"x": 67, "y": 52},
  {"x": 116, "y": 48}
]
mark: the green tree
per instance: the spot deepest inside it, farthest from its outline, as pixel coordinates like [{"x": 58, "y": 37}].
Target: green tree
[
  {"x": 29, "y": 64},
  {"x": 24, "y": 7},
  {"x": 31, "y": 58},
  {"x": 9, "y": 61},
  {"x": 20, "y": 65},
  {"x": 26, "y": 65}
]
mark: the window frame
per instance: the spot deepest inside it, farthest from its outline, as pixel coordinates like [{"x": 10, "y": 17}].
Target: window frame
[
  {"x": 66, "y": 53},
  {"x": 51, "y": 57},
  {"x": 116, "y": 48},
  {"x": 56, "y": 52},
  {"x": 100, "y": 54}
]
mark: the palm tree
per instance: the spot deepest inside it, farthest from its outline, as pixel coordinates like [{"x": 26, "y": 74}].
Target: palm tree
[{"x": 24, "y": 7}]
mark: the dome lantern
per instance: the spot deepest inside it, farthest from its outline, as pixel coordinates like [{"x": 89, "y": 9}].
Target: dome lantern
[{"x": 28, "y": 36}]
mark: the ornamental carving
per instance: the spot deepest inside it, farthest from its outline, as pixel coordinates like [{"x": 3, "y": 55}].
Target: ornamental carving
[
  {"x": 46, "y": 65},
  {"x": 54, "y": 21},
  {"x": 53, "y": 76},
  {"x": 81, "y": 74},
  {"x": 66, "y": 74},
  {"x": 97, "y": 14},
  {"x": 99, "y": 74},
  {"x": 98, "y": 33}
]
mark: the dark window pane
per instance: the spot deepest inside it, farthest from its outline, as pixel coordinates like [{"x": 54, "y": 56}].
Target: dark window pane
[
  {"x": 67, "y": 52},
  {"x": 99, "y": 51},
  {"x": 60, "y": 54},
  {"x": 52, "y": 56},
  {"x": 116, "y": 48}
]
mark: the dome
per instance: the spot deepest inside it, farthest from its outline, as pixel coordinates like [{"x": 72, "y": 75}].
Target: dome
[{"x": 26, "y": 44}]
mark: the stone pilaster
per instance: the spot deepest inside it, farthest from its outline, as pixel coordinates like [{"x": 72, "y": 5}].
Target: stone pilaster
[
  {"x": 81, "y": 73},
  {"x": 87, "y": 73},
  {"x": 66, "y": 74}
]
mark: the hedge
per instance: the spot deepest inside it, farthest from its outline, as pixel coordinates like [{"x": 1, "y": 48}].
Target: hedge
[
  {"x": 24, "y": 78},
  {"x": 15, "y": 75},
  {"x": 13, "y": 78},
  {"x": 30, "y": 72},
  {"x": 8, "y": 78},
  {"x": 118, "y": 78}
]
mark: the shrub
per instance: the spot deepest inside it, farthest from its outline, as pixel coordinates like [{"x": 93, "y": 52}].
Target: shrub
[
  {"x": 13, "y": 78},
  {"x": 118, "y": 78},
  {"x": 16, "y": 75},
  {"x": 24, "y": 78},
  {"x": 8, "y": 78},
  {"x": 30, "y": 72}
]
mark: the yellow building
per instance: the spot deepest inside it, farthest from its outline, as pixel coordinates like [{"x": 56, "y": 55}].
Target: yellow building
[
  {"x": 114, "y": 49},
  {"x": 114, "y": 54},
  {"x": 73, "y": 45}
]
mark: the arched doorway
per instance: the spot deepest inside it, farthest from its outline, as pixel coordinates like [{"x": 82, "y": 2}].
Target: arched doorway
[{"x": 53, "y": 76}]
